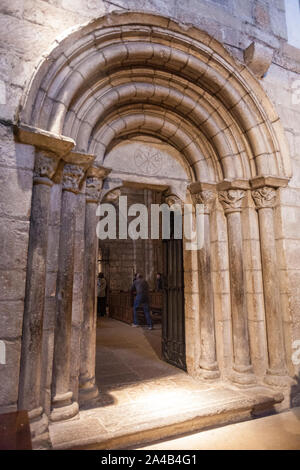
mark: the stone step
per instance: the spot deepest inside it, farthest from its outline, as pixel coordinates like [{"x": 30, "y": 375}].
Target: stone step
[{"x": 131, "y": 425}]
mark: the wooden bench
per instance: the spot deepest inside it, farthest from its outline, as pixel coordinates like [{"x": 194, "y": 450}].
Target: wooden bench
[{"x": 121, "y": 306}]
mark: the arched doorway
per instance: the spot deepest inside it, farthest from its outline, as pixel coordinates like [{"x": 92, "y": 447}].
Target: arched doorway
[
  {"x": 145, "y": 75},
  {"x": 151, "y": 172}
]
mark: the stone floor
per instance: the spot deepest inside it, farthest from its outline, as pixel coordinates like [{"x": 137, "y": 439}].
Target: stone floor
[
  {"x": 143, "y": 399},
  {"x": 277, "y": 432}
]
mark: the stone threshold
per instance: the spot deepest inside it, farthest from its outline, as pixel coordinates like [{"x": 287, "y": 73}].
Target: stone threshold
[{"x": 132, "y": 425}]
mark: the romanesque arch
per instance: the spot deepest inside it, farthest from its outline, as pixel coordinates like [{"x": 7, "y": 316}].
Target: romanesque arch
[{"x": 131, "y": 74}]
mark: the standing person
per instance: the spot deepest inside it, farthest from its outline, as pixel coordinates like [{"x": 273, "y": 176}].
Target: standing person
[
  {"x": 133, "y": 291},
  {"x": 140, "y": 286},
  {"x": 101, "y": 293},
  {"x": 159, "y": 282}
]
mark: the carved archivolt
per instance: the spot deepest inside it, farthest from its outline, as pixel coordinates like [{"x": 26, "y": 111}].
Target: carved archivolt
[{"x": 190, "y": 93}]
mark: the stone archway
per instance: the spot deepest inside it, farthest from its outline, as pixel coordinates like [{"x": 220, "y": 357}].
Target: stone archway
[
  {"x": 155, "y": 253},
  {"x": 134, "y": 74}
]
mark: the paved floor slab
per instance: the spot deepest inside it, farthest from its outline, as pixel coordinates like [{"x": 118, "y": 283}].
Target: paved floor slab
[
  {"x": 144, "y": 398},
  {"x": 276, "y": 432}
]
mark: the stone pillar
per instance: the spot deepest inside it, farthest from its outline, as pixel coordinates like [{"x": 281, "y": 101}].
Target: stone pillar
[
  {"x": 46, "y": 163},
  {"x": 73, "y": 173},
  {"x": 205, "y": 194},
  {"x": 87, "y": 387},
  {"x": 231, "y": 196},
  {"x": 264, "y": 196},
  {"x": 50, "y": 295}
]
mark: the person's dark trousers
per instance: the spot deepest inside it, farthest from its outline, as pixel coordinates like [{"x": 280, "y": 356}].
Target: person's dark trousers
[
  {"x": 101, "y": 306},
  {"x": 139, "y": 300}
]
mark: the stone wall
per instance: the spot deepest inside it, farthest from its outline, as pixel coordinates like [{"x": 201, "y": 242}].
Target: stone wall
[
  {"x": 124, "y": 258},
  {"x": 29, "y": 28}
]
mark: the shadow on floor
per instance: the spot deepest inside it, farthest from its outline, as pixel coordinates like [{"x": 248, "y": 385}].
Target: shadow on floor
[
  {"x": 154, "y": 340},
  {"x": 127, "y": 357}
]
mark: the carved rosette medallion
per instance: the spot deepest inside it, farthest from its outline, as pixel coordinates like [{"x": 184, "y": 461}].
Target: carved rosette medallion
[
  {"x": 148, "y": 160},
  {"x": 264, "y": 197},
  {"x": 45, "y": 166},
  {"x": 72, "y": 177},
  {"x": 232, "y": 200}
]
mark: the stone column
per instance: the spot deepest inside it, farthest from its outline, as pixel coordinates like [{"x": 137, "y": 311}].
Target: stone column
[
  {"x": 87, "y": 387},
  {"x": 50, "y": 295},
  {"x": 73, "y": 173},
  {"x": 49, "y": 150},
  {"x": 46, "y": 163},
  {"x": 264, "y": 196},
  {"x": 231, "y": 196},
  {"x": 205, "y": 194}
]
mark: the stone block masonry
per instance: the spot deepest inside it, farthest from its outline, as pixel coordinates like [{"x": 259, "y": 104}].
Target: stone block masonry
[{"x": 30, "y": 30}]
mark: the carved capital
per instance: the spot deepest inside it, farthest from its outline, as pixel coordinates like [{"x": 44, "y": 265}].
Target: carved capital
[
  {"x": 264, "y": 197},
  {"x": 45, "y": 166},
  {"x": 232, "y": 200},
  {"x": 206, "y": 198},
  {"x": 172, "y": 200},
  {"x": 112, "y": 196},
  {"x": 94, "y": 182},
  {"x": 93, "y": 189},
  {"x": 72, "y": 177}
]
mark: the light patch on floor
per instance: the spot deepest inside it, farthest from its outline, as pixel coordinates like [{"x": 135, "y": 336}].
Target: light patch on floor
[
  {"x": 277, "y": 432},
  {"x": 142, "y": 398}
]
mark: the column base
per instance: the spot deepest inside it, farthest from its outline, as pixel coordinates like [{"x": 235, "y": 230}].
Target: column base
[
  {"x": 42, "y": 442},
  {"x": 278, "y": 378},
  {"x": 39, "y": 429},
  {"x": 63, "y": 408},
  {"x": 88, "y": 393},
  {"x": 65, "y": 412},
  {"x": 209, "y": 374},
  {"x": 243, "y": 375},
  {"x": 209, "y": 371}
]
